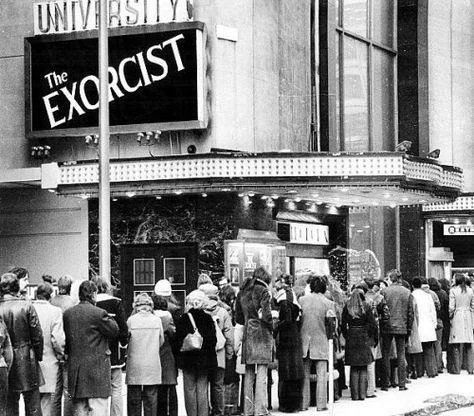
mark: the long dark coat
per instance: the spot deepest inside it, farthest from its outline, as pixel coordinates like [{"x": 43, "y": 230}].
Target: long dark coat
[
  {"x": 289, "y": 351},
  {"x": 88, "y": 330},
  {"x": 205, "y": 358},
  {"x": 257, "y": 343},
  {"x": 360, "y": 334},
  {"x": 26, "y": 337}
]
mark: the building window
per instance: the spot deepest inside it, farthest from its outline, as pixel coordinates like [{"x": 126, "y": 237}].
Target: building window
[
  {"x": 364, "y": 65},
  {"x": 143, "y": 272}
]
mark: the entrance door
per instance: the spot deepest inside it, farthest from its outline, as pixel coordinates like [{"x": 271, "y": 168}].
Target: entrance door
[{"x": 142, "y": 265}]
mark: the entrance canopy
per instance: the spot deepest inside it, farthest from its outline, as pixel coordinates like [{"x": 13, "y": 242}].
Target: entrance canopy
[{"x": 342, "y": 179}]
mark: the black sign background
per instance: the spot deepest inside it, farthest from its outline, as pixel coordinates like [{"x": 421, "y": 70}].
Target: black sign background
[{"x": 170, "y": 100}]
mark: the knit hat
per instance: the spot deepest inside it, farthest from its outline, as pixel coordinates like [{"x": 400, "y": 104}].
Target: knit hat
[
  {"x": 196, "y": 300},
  {"x": 163, "y": 288}
]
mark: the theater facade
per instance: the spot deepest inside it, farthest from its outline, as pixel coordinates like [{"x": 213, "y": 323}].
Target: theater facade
[{"x": 248, "y": 134}]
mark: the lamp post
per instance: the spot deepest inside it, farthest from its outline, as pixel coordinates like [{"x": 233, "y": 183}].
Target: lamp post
[{"x": 104, "y": 169}]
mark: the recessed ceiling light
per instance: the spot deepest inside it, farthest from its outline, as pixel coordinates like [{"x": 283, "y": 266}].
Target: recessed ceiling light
[
  {"x": 178, "y": 192},
  {"x": 130, "y": 194}
]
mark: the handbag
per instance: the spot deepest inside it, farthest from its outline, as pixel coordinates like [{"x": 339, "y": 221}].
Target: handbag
[{"x": 192, "y": 341}]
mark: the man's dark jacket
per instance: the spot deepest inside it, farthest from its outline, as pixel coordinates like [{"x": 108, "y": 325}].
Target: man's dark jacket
[
  {"x": 114, "y": 307},
  {"x": 26, "y": 336},
  {"x": 400, "y": 304},
  {"x": 88, "y": 330}
]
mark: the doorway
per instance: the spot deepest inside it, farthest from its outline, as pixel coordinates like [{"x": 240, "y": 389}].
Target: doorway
[{"x": 142, "y": 265}]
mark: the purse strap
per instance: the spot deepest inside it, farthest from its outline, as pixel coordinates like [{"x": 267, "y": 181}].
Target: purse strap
[{"x": 192, "y": 321}]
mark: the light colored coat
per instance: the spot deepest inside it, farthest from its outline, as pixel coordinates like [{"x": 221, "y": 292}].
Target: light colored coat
[
  {"x": 146, "y": 338},
  {"x": 427, "y": 320},
  {"x": 461, "y": 307},
  {"x": 51, "y": 320},
  {"x": 414, "y": 343},
  {"x": 314, "y": 308}
]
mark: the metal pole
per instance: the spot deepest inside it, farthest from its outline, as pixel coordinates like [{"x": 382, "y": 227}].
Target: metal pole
[
  {"x": 331, "y": 376},
  {"x": 104, "y": 170}
]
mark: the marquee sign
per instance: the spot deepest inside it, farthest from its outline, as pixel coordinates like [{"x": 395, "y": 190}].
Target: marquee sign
[
  {"x": 156, "y": 81},
  {"x": 302, "y": 233},
  {"x": 458, "y": 229},
  {"x": 62, "y": 16}
]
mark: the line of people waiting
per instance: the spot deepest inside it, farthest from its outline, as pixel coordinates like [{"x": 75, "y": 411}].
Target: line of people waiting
[{"x": 68, "y": 358}]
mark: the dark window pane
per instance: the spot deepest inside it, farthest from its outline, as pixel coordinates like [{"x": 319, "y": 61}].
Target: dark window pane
[
  {"x": 144, "y": 271},
  {"x": 355, "y": 16},
  {"x": 383, "y": 104},
  {"x": 356, "y": 128},
  {"x": 382, "y": 18},
  {"x": 175, "y": 270}
]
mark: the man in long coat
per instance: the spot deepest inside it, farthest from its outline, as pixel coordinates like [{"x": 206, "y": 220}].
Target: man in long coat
[
  {"x": 51, "y": 320},
  {"x": 26, "y": 336},
  {"x": 88, "y": 330}
]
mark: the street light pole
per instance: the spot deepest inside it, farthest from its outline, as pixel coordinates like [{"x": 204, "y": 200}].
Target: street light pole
[{"x": 104, "y": 152}]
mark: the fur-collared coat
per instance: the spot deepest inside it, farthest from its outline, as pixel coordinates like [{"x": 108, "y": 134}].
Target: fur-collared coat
[{"x": 254, "y": 312}]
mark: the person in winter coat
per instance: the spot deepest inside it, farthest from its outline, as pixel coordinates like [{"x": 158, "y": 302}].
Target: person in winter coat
[
  {"x": 114, "y": 307},
  {"x": 400, "y": 305},
  {"x": 24, "y": 329},
  {"x": 51, "y": 320},
  {"x": 441, "y": 313},
  {"x": 376, "y": 301},
  {"x": 167, "y": 397},
  {"x": 196, "y": 364},
  {"x": 163, "y": 288},
  {"x": 88, "y": 330},
  {"x": 360, "y": 331},
  {"x": 461, "y": 308},
  {"x": 64, "y": 301},
  {"x": 224, "y": 355},
  {"x": 6, "y": 359},
  {"x": 144, "y": 365},
  {"x": 289, "y": 351},
  {"x": 314, "y": 340},
  {"x": 253, "y": 310},
  {"x": 427, "y": 323}
]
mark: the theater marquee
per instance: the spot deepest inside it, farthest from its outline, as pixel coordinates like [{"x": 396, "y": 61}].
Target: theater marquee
[{"x": 156, "y": 81}]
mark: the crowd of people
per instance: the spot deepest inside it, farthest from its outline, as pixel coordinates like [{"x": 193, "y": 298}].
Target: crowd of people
[{"x": 68, "y": 358}]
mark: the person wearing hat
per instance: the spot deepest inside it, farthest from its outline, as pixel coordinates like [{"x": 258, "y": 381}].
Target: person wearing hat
[
  {"x": 224, "y": 322},
  {"x": 143, "y": 365},
  {"x": 196, "y": 364},
  {"x": 163, "y": 288}
]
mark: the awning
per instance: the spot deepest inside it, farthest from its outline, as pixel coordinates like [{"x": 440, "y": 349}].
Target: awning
[
  {"x": 341, "y": 179},
  {"x": 20, "y": 178},
  {"x": 463, "y": 204}
]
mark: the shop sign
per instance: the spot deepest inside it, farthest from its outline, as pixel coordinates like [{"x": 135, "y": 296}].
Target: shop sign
[
  {"x": 155, "y": 81},
  {"x": 458, "y": 229},
  {"x": 63, "y": 16},
  {"x": 300, "y": 233}
]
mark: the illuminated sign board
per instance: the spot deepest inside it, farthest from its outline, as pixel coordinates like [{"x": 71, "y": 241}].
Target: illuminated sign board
[
  {"x": 63, "y": 16},
  {"x": 458, "y": 229},
  {"x": 156, "y": 81},
  {"x": 301, "y": 233}
]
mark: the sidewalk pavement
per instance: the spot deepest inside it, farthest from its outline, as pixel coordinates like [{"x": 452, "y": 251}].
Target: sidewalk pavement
[{"x": 424, "y": 393}]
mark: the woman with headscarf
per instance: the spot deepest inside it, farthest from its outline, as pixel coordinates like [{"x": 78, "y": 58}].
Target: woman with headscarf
[
  {"x": 461, "y": 307},
  {"x": 360, "y": 331},
  {"x": 288, "y": 349},
  {"x": 196, "y": 364},
  {"x": 143, "y": 362}
]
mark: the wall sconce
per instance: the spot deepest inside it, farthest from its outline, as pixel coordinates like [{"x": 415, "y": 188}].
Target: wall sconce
[
  {"x": 40, "y": 152},
  {"x": 148, "y": 138},
  {"x": 92, "y": 140}
]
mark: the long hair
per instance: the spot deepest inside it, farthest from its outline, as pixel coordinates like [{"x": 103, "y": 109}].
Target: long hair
[
  {"x": 460, "y": 280},
  {"x": 356, "y": 303}
]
